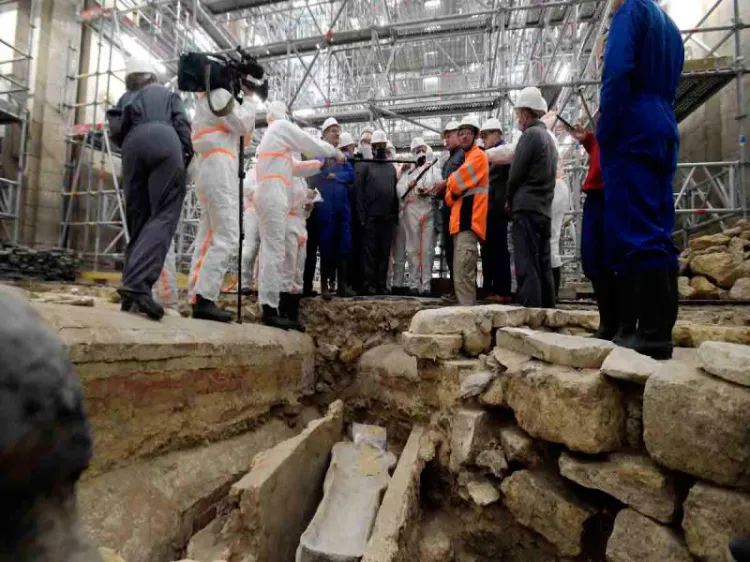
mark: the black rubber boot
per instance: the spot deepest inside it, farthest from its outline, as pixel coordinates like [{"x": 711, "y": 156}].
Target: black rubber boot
[
  {"x": 140, "y": 304},
  {"x": 657, "y": 312},
  {"x": 345, "y": 291},
  {"x": 204, "y": 309},
  {"x": 606, "y": 300},
  {"x": 271, "y": 317},
  {"x": 293, "y": 313},
  {"x": 284, "y": 305},
  {"x": 324, "y": 290},
  {"x": 627, "y": 309},
  {"x": 739, "y": 549}
]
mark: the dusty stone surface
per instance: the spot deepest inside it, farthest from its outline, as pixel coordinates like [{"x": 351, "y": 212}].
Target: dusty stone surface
[
  {"x": 475, "y": 383},
  {"x": 728, "y": 361},
  {"x": 494, "y": 396},
  {"x": 634, "y": 421},
  {"x": 703, "y": 242},
  {"x": 278, "y": 497},
  {"x": 582, "y": 409},
  {"x": 109, "y": 555},
  {"x": 481, "y": 491},
  {"x": 509, "y": 316},
  {"x": 541, "y": 502},
  {"x": 148, "y": 511},
  {"x": 395, "y": 534},
  {"x": 353, "y": 488},
  {"x": 452, "y": 320},
  {"x": 151, "y": 387},
  {"x": 703, "y": 288},
  {"x": 713, "y": 517},
  {"x": 432, "y": 346},
  {"x": 519, "y": 446},
  {"x": 684, "y": 288},
  {"x": 719, "y": 268},
  {"x": 435, "y": 547},
  {"x": 372, "y": 434},
  {"x": 689, "y": 334},
  {"x": 698, "y": 424},
  {"x": 467, "y": 432},
  {"x": 493, "y": 460},
  {"x": 637, "y": 538},
  {"x": 476, "y": 342},
  {"x": 633, "y": 479},
  {"x": 574, "y": 351},
  {"x": 741, "y": 289},
  {"x": 628, "y": 365}
]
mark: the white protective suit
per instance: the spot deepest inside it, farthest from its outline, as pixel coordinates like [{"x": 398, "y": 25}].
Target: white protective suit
[
  {"x": 165, "y": 289},
  {"x": 251, "y": 241},
  {"x": 419, "y": 224},
  {"x": 397, "y": 263},
  {"x": 216, "y": 140},
  {"x": 272, "y": 197}
]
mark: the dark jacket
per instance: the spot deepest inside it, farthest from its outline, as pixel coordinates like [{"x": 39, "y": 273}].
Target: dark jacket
[
  {"x": 453, "y": 162},
  {"x": 498, "y": 191},
  {"x": 531, "y": 180},
  {"x": 151, "y": 104},
  {"x": 375, "y": 190}
]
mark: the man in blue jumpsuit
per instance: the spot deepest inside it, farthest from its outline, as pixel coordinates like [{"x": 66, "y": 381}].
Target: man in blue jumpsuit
[{"x": 639, "y": 143}]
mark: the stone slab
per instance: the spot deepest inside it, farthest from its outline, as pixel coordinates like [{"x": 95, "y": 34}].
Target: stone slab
[
  {"x": 481, "y": 491},
  {"x": 278, "y": 497},
  {"x": 432, "y": 346},
  {"x": 698, "y": 424},
  {"x": 581, "y": 409},
  {"x": 467, "y": 432},
  {"x": 628, "y": 365},
  {"x": 151, "y": 387},
  {"x": 690, "y": 334},
  {"x": 713, "y": 517},
  {"x": 574, "y": 351},
  {"x": 542, "y": 502},
  {"x": 637, "y": 538},
  {"x": 633, "y": 479},
  {"x": 452, "y": 320},
  {"x": 519, "y": 446},
  {"x": 475, "y": 384},
  {"x": 728, "y": 361}
]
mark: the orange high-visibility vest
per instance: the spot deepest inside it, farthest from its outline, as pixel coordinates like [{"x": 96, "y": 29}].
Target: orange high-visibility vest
[{"x": 467, "y": 194}]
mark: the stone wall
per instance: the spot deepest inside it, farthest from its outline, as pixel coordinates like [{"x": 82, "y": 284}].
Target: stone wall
[{"x": 595, "y": 450}]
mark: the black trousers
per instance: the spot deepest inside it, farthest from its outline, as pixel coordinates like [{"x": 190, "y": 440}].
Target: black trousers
[
  {"x": 496, "y": 258},
  {"x": 531, "y": 246},
  {"x": 377, "y": 235},
  {"x": 153, "y": 170},
  {"x": 447, "y": 238},
  {"x": 311, "y": 260}
]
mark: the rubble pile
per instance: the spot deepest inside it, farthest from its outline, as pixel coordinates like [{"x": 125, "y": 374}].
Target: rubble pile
[
  {"x": 717, "y": 266},
  {"x": 22, "y": 263}
]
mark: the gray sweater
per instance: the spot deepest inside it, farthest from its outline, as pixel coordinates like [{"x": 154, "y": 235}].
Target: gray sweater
[{"x": 531, "y": 180}]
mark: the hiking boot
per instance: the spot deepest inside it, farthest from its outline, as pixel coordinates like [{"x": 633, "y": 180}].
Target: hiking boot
[
  {"x": 204, "y": 309},
  {"x": 293, "y": 312},
  {"x": 345, "y": 291},
  {"x": 270, "y": 317},
  {"x": 140, "y": 303},
  {"x": 325, "y": 292},
  {"x": 657, "y": 313}
]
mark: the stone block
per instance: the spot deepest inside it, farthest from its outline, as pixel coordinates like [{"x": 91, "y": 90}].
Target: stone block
[
  {"x": 633, "y": 479},
  {"x": 703, "y": 242},
  {"x": 541, "y": 502},
  {"x": 493, "y": 460},
  {"x": 713, "y": 517},
  {"x": 741, "y": 289},
  {"x": 689, "y": 334},
  {"x": 637, "y": 538},
  {"x": 475, "y": 384},
  {"x": 476, "y": 342},
  {"x": 432, "y": 346},
  {"x": 452, "y": 320},
  {"x": 468, "y": 430},
  {"x": 684, "y": 288},
  {"x": 718, "y": 267},
  {"x": 279, "y": 496},
  {"x": 703, "y": 288},
  {"x": 628, "y": 365},
  {"x": 481, "y": 491},
  {"x": 519, "y": 446},
  {"x": 728, "y": 361},
  {"x": 575, "y": 351},
  {"x": 698, "y": 424},
  {"x": 504, "y": 316},
  {"x": 581, "y": 409},
  {"x": 353, "y": 488},
  {"x": 394, "y": 535},
  {"x": 372, "y": 434}
]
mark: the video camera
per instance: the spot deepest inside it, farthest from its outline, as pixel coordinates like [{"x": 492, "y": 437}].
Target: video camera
[{"x": 203, "y": 72}]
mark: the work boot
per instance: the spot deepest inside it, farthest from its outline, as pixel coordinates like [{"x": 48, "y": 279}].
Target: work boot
[
  {"x": 345, "y": 291},
  {"x": 627, "y": 309},
  {"x": 606, "y": 301},
  {"x": 284, "y": 305},
  {"x": 293, "y": 313},
  {"x": 270, "y": 317},
  {"x": 140, "y": 303},
  {"x": 657, "y": 311},
  {"x": 325, "y": 292},
  {"x": 204, "y": 309},
  {"x": 739, "y": 549},
  {"x": 246, "y": 291}
]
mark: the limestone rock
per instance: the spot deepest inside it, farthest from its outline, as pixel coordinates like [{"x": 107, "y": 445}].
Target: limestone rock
[
  {"x": 504, "y": 316},
  {"x": 720, "y": 268},
  {"x": 698, "y": 424},
  {"x": 737, "y": 246},
  {"x": 510, "y": 361},
  {"x": 582, "y": 409},
  {"x": 690, "y": 334},
  {"x": 713, "y": 517},
  {"x": 728, "y": 361},
  {"x": 431, "y": 346},
  {"x": 109, "y": 555},
  {"x": 703, "y": 242},
  {"x": 541, "y": 502},
  {"x": 494, "y": 396},
  {"x": 475, "y": 383},
  {"x": 587, "y": 319},
  {"x": 476, "y": 342},
  {"x": 633, "y": 479},
  {"x": 628, "y": 365},
  {"x": 637, "y": 538},
  {"x": 703, "y": 288},
  {"x": 372, "y": 434},
  {"x": 481, "y": 491},
  {"x": 710, "y": 250},
  {"x": 352, "y": 352},
  {"x": 684, "y": 288},
  {"x": 519, "y": 446},
  {"x": 741, "y": 289},
  {"x": 575, "y": 351},
  {"x": 467, "y": 431},
  {"x": 452, "y": 320},
  {"x": 684, "y": 264},
  {"x": 494, "y": 461},
  {"x": 732, "y": 232},
  {"x": 435, "y": 547},
  {"x": 355, "y": 481}
]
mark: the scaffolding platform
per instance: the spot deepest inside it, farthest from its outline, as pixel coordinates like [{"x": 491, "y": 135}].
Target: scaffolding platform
[
  {"x": 10, "y": 113},
  {"x": 701, "y": 80}
]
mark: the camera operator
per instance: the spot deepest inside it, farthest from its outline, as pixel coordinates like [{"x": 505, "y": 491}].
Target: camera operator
[
  {"x": 216, "y": 140},
  {"x": 150, "y": 124}
]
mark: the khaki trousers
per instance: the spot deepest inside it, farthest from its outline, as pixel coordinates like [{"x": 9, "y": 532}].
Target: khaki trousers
[{"x": 465, "y": 257}]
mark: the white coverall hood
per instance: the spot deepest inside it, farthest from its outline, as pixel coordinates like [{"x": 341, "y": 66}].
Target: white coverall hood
[{"x": 277, "y": 111}]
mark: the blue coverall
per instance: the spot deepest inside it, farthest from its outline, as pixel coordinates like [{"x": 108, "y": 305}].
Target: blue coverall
[
  {"x": 333, "y": 215},
  {"x": 638, "y": 137}
]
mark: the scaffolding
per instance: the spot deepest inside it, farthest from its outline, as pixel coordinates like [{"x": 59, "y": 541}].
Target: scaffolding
[{"x": 405, "y": 66}]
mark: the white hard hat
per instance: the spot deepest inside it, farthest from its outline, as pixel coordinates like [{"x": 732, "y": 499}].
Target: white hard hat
[
  {"x": 389, "y": 146},
  {"x": 276, "y": 111},
  {"x": 469, "y": 121},
  {"x": 451, "y": 126},
  {"x": 330, "y": 122},
  {"x": 417, "y": 142},
  {"x": 531, "y": 98},
  {"x": 492, "y": 125},
  {"x": 140, "y": 66},
  {"x": 379, "y": 137},
  {"x": 367, "y": 130},
  {"x": 345, "y": 140}
]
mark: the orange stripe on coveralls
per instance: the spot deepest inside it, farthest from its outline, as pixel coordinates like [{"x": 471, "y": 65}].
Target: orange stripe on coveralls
[
  {"x": 199, "y": 265},
  {"x": 219, "y": 151},
  {"x": 208, "y": 130},
  {"x": 275, "y": 177}
]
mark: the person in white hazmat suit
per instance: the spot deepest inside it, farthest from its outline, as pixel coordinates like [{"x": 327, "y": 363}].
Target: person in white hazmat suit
[
  {"x": 251, "y": 241},
  {"x": 216, "y": 140},
  {"x": 397, "y": 270},
  {"x": 419, "y": 217},
  {"x": 272, "y": 203}
]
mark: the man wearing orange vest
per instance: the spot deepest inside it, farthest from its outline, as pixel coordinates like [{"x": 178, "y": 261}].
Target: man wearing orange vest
[{"x": 467, "y": 193}]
